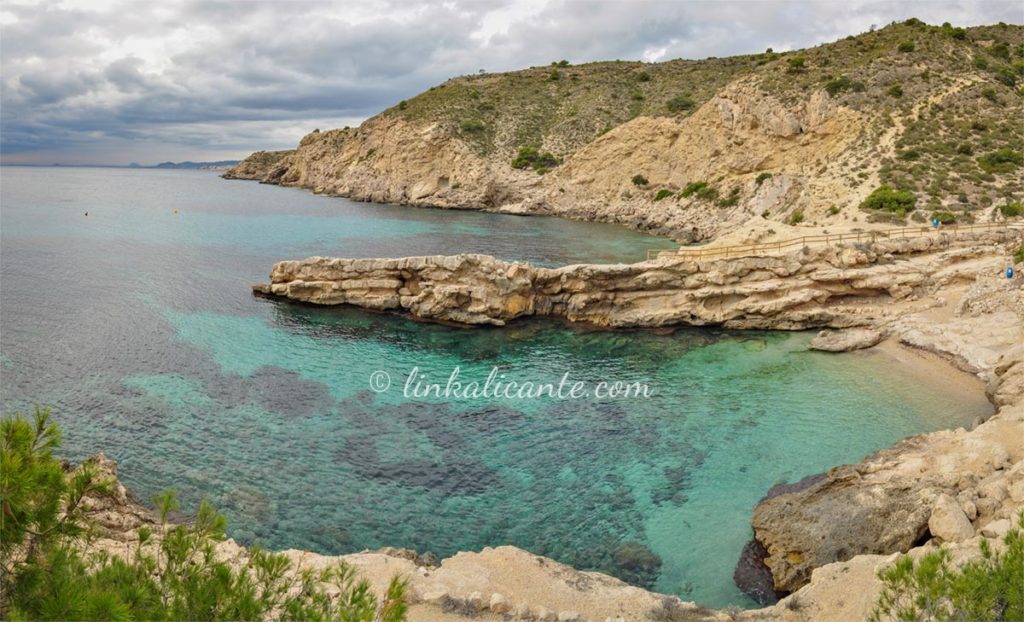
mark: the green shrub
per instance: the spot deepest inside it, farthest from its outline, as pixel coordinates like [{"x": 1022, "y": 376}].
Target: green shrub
[
  {"x": 471, "y": 126},
  {"x": 639, "y": 180},
  {"x": 965, "y": 149},
  {"x": 763, "y": 177},
  {"x": 1018, "y": 255},
  {"x": 989, "y": 93},
  {"x": 1000, "y": 50},
  {"x": 982, "y": 590},
  {"x": 1011, "y": 210},
  {"x": 172, "y": 574},
  {"x": 663, "y": 193},
  {"x": 637, "y": 96},
  {"x": 402, "y": 105},
  {"x": 797, "y": 63},
  {"x": 693, "y": 188},
  {"x": 1001, "y": 160},
  {"x": 905, "y": 46},
  {"x": 1007, "y": 76},
  {"x": 680, "y": 103},
  {"x": 643, "y": 76},
  {"x": 887, "y": 199},
  {"x": 946, "y": 218},
  {"x": 732, "y": 200},
  {"x": 837, "y": 85},
  {"x": 709, "y": 193},
  {"x": 796, "y": 217},
  {"x": 980, "y": 62},
  {"x": 531, "y": 157},
  {"x": 896, "y": 90},
  {"x": 833, "y": 210},
  {"x": 910, "y": 154},
  {"x": 960, "y": 34},
  {"x": 554, "y": 75}
]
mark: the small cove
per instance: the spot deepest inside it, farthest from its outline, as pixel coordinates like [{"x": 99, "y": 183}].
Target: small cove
[{"x": 137, "y": 326}]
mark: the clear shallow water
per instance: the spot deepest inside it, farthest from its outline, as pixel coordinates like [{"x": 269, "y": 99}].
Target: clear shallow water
[{"x": 137, "y": 326}]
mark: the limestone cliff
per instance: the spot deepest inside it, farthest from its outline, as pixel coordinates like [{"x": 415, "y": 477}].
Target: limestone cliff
[{"x": 690, "y": 149}]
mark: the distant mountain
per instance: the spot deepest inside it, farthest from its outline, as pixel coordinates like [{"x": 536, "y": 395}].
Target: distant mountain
[{"x": 214, "y": 166}]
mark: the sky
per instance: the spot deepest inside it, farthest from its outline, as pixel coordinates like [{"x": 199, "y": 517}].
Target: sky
[{"x": 113, "y": 82}]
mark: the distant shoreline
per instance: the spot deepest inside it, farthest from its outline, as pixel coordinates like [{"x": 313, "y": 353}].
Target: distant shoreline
[{"x": 219, "y": 165}]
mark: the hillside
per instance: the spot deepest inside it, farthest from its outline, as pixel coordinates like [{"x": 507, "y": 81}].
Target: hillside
[{"x": 692, "y": 149}]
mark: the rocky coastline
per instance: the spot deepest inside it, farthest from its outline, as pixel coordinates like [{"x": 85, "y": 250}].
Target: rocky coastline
[
  {"x": 946, "y": 295},
  {"x": 821, "y": 540},
  {"x": 760, "y": 154},
  {"x": 831, "y": 287}
]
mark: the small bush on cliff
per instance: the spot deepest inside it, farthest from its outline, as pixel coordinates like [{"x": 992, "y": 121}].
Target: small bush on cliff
[
  {"x": 797, "y": 64},
  {"x": 763, "y": 177},
  {"x": 1001, "y": 160},
  {"x": 837, "y": 85},
  {"x": 946, "y": 218},
  {"x": 888, "y": 199},
  {"x": 48, "y": 572},
  {"x": 702, "y": 190},
  {"x": 679, "y": 104},
  {"x": 1011, "y": 210},
  {"x": 471, "y": 126},
  {"x": 693, "y": 188},
  {"x": 664, "y": 192},
  {"x": 732, "y": 199},
  {"x": 531, "y": 157},
  {"x": 639, "y": 180},
  {"x": 988, "y": 589}
]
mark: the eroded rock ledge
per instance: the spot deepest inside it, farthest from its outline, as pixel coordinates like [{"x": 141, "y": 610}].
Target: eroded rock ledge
[{"x": 824, "y": 287}]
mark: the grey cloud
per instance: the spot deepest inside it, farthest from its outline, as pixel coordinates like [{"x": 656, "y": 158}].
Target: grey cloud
[{"x": 145, "y": 81}]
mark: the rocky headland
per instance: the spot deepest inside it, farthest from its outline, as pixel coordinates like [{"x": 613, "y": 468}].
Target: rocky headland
[
  {"x": 828, "y": 287},
  {"x": 693, "y": 149},
  {"x": 763, "y": 147}
]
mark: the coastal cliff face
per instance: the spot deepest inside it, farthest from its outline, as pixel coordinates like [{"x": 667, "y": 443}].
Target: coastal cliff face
[{"x": 691, "y": 149}]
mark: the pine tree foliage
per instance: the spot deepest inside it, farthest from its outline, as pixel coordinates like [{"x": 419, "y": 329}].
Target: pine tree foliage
[{"x": 48, "y": 573}]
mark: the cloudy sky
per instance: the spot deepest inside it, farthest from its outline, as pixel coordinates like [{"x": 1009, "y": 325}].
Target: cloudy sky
[{"x": 96, "y": 81}]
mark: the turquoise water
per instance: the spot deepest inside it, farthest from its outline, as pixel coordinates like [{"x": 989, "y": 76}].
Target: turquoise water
[{"x": 137, "y": 326}]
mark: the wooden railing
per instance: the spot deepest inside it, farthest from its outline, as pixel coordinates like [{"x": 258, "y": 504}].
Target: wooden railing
[{"x": 754, "y": 250}]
